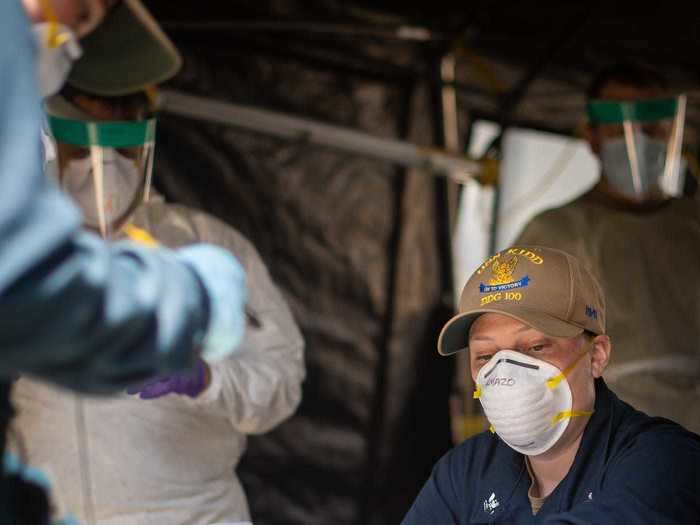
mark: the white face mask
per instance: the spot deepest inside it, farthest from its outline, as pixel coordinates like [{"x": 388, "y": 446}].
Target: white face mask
[
  {"x": 56, "y": 57},
  {"x": 637, "y": 178},
  {"x": 121, "y": 184},
  {"x": 527, "y": 401}
]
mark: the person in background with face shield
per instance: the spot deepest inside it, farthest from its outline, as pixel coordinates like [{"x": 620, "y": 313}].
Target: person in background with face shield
[
  {"x": 76, "y": 311},
  {"x": 562, "y": 447},
  {"x": 642, "y": 238},
  {"x": 164, "y": 452}
]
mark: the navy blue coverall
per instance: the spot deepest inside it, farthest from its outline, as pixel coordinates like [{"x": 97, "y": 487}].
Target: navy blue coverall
[{"x": 630, "y": 469}]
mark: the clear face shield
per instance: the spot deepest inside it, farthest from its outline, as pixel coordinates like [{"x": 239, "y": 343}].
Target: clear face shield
[
  {"x": 105, "y": 167},
  {"x": 640, "y": 146}
]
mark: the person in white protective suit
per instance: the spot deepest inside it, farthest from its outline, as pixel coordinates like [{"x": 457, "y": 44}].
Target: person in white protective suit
[
  {"x": 164, "y": 452},
  {"x": 636, "y": 231}
]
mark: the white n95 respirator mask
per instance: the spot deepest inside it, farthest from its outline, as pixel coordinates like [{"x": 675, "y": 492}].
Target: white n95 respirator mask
[
  {"x": 113, "y": 193},
  {"x": 527, "y": 401},
  {"x": 57, "y": 44},
  {"x": 58, "y": 49},
  {"x": 633, "y": 179}
]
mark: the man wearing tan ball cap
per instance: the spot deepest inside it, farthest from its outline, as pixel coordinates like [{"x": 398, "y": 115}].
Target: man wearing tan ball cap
[
  {"x": 526, "y": 284},
  {"x": 561, "y": 446}
]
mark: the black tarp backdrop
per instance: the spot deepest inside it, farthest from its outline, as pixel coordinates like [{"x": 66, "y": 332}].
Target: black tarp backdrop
[
  {"x": 498, "y": 45},
  {"x": 355, "y": 244},
  {"x": 352, "y": 243}
]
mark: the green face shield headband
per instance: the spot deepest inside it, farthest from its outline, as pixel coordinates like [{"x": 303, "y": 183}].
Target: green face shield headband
[
  {"x": 105, "y": 167},
  {"x": 109, "y": 134},
  {"x": 615, "y": 112}
]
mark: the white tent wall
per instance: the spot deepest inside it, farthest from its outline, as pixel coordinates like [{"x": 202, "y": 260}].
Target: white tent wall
[
  {"x": 472, "y": 230},
  {"x": 538, "y": 171}
]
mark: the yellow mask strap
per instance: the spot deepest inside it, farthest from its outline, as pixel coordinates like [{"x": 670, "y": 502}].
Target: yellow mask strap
[
  {"x": 553, "y": 382},
  {"x": 151, "y": 93},
  {"x": 476, "y": 395},
  {"x": 566, "y": 414},
  {"x": 53, "y": 38},
  {"x": 139, "y": 235}
]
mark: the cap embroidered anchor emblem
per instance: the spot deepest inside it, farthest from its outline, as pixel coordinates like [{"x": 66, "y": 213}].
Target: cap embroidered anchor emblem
[
  {"x": 502, "y": 277},
  {"x": 502, "y": 273}
]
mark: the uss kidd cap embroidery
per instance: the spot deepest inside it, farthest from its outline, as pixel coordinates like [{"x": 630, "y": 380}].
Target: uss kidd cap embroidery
[{"x": 545, "y": 288}]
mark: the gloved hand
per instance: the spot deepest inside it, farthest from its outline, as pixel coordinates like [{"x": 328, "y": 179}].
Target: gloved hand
[
  {"x": 188, "y": 384},
  {"x": 224, "y": 280}
]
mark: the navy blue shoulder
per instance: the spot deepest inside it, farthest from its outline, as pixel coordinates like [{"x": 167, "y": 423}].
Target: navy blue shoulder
[
  {"x": 629, "y": 429},
  {"x": 484, "y": 460}
]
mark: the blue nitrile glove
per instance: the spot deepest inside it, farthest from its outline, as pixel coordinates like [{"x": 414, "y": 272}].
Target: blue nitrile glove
[
  {"x": 186, "y": 384},
  {"x": 68, "y": 520},
  {"x": 12, "y": 465},
  {"x": 224, "y": 281}
]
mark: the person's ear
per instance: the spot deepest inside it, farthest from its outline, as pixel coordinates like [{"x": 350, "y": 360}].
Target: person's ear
[{"x": 600, "y": 354}]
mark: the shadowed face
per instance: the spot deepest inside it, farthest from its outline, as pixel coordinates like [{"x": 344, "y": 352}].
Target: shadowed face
[
  {"x": 107, "y": 182},
  {"x": 627, "y": 93},
  {"x": 102, "y": 109}
]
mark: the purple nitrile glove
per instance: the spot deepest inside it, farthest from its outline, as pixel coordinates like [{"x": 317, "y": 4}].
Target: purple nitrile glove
[{"x": 188, "y": 384}]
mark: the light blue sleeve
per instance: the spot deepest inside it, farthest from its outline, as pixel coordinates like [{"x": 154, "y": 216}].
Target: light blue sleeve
[{"x": 74, "y": 310}]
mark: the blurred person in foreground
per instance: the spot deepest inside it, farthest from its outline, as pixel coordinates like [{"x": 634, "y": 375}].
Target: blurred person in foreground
[
  {"x": 641, "y": 237},
  {"x": 562, "y": 447},
  {"x": 78, "y": 312}
]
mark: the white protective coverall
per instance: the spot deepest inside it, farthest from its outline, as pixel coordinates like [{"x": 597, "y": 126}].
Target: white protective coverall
[
  {"x": 648, "y": 263},
  {"x": 171, "y": 460}
]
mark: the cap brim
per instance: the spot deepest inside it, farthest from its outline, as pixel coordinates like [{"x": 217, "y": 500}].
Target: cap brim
[
  {"x": 454, "y": 336},
  {"x": 125, "y": 54}
]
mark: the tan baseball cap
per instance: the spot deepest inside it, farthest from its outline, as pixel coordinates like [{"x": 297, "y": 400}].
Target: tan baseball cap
[
  {"x": 125, "y": 54},
  {"x": 545, "y": 288}
]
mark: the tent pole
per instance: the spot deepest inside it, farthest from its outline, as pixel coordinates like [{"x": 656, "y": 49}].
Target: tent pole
[
  {"x": 369, "y": 500},
  {"x": 436, "y": 161}
]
